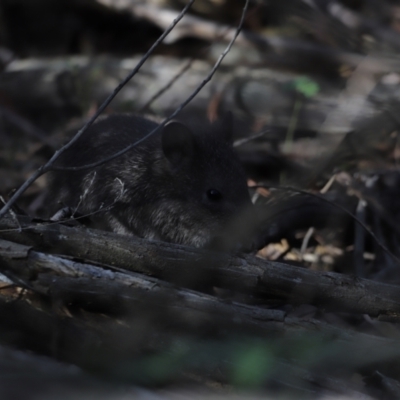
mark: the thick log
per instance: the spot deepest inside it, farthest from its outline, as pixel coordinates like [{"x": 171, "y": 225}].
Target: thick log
[
  {"x": 195, "y": 268},
  {"x": 152, "y": 313}
]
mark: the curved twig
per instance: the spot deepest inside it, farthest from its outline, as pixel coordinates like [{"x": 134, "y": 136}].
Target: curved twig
[
  {"x": 173, "y": 115},
  {"x": 46, "y": 167}
]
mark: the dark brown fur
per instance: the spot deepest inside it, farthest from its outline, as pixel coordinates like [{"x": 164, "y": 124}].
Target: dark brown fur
[{"x": 182, "y": 185}]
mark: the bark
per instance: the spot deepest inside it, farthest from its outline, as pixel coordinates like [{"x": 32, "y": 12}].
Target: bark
[
  {"x": 154, "y": 313},
  {"x": 195, "y": 268}
]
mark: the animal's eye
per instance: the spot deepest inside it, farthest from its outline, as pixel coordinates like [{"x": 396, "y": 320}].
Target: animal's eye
[{"x": 214, "y": 194}]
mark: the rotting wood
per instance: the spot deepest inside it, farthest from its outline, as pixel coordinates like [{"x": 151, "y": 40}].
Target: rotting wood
[
  {"x": 134, "y": 296},
  {"x": 192, "y": 267}
]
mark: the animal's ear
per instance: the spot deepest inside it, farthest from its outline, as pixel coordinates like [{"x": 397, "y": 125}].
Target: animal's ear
[
  {"x": 177, "y": 142},
  {"x": 225, "y": 127}
]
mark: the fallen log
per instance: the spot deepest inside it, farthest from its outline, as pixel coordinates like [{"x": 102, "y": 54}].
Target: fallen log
[
  {"x": 194, "y": 268},
  {"x": 151, "y": 314}
]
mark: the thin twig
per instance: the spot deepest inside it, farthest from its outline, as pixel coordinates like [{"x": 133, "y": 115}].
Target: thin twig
[
  {"x": 186, "y": 66},
  {"x": 339, "y": 206},
  {"x": 173, "y": 115},
  {"x": 46, "y": 167},
  {"x": 169, "y": 84},
  {"x": 241, "y": 142}
]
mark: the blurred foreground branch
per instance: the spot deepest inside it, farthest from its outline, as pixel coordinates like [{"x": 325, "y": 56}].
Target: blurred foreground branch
[{"x": 150, "y": 315}]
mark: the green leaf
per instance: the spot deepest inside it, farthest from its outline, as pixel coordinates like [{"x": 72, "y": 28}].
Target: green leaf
[{"x": 306, "y": 86}]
